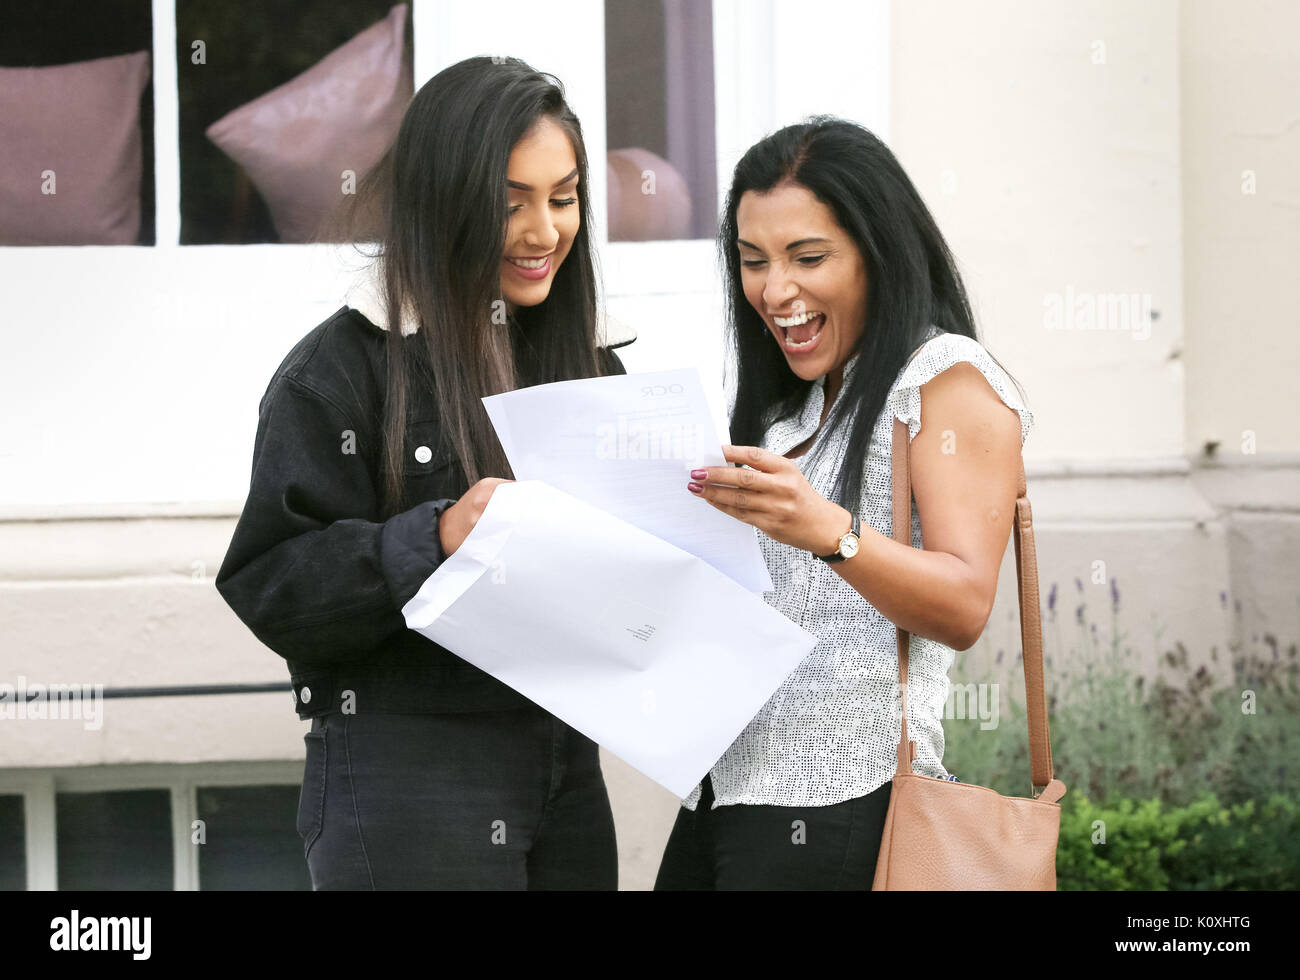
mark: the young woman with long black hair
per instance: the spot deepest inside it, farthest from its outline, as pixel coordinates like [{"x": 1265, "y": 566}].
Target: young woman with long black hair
[
  {"x": 845, "y": 311},
  {"x": 374, "y": 459}
]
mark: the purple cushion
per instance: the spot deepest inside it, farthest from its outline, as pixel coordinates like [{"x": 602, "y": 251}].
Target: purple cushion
[
  {"x": 81, "y": 122},
  {"x": 340, "y": 114}
]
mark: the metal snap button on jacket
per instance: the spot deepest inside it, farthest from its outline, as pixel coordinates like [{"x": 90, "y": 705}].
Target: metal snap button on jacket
[{"x": 423, "y": 454}]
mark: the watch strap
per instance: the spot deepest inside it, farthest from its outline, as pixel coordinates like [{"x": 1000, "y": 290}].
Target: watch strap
[{"x": 835, "y": 556}]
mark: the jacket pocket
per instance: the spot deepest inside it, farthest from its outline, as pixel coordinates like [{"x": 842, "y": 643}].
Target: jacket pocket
[
  {"x": 430, "y": 470},
  {"x": 311, "y": 800},
  {"x": 424, "y": 452}
]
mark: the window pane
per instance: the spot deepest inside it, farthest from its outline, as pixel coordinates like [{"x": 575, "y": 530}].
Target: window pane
[
  {"x": 115, "y": 841},
  {"x": 85, "y": 116},
  {"x": 13, "y": 851},
  {"x": 659, "y": 119},
  {"x": 252, "y": 839},
  {"x": 277, "y": 101}
]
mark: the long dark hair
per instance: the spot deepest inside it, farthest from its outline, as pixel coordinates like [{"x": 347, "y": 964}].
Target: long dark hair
[
  {"x": 436, "y": 202},
  {"x": 913, "y": 282}
]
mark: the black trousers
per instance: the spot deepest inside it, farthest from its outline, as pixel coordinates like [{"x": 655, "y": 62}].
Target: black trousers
[
  {"x": 510, "y": 799},
  {"x": 793, "y": 848}
]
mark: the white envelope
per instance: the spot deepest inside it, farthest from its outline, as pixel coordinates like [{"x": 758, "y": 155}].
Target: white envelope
[{"x": 646, "y": 649}]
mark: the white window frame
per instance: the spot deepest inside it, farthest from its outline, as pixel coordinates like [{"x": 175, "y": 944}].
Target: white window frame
[
  {"x": 39, "y": 788},
  {"x": 226, "y": 314}
]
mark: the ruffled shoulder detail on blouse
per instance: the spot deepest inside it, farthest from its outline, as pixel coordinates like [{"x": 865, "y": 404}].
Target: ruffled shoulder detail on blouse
[{"x": 936, "y": 356}]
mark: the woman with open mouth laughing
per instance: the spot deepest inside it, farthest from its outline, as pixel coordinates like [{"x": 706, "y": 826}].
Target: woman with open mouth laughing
[
  {"x": 373, "y": 462},
  {"x": 836, "y": 276}
]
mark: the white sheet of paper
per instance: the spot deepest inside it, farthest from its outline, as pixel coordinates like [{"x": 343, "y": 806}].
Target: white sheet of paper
[
  {"x": 642, "y": 647},
  {"x": 627, "y": 444}
]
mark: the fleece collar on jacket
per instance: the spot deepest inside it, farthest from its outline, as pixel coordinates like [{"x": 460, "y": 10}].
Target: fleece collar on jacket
[{"x": 366, "y": 297}]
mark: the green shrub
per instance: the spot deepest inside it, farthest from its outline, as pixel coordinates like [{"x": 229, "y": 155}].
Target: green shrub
[{"x": 1204, "y": 845}]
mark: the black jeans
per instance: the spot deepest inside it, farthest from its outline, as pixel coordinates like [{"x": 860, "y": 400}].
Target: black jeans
[
  {"x": 750, "y": 847},
  {"x": 511, "y": 799}
]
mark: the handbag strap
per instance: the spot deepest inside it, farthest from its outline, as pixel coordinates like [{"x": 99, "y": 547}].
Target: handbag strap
[{"x": 1031, "y": 631}]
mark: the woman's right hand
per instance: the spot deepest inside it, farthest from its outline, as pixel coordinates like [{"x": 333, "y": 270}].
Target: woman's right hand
[{"x": 459, "y": 519}]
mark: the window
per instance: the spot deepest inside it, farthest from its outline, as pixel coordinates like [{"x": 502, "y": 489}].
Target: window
[
  {"x": 278, "y": 104},
  {"x": 659, "y": 120},
  {"x": 114, "y": 841},
  {"x": 76, "y": 121},
  {"x": 209, "y": 826},
  {"x": 252, "y": 842},
  {"x": 13, "y": 851}
]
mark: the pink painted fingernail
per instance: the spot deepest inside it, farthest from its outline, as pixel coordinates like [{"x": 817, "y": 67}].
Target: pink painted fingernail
[
  {"x": 699, "y": 474},
  {"x": 694, "y": 487}
]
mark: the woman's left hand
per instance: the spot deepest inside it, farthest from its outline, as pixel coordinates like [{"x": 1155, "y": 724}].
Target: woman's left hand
[{"x": 775, "y": 497}]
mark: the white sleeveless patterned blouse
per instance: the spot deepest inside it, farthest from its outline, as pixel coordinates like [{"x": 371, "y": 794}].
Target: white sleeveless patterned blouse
[{"x": 830, "y": 732}]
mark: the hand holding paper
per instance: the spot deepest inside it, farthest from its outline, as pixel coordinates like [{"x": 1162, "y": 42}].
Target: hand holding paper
[{"x": 641, "y": 646}]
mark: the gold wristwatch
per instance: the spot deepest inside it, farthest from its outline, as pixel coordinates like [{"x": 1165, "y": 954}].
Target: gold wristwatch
[{"x": 848, "y": 545}]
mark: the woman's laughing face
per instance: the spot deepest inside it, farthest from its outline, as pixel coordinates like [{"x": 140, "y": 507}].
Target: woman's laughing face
[{"x": 804, "y": 276}]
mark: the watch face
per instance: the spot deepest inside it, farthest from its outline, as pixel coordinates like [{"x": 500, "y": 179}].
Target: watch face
[{"x": 848, "y": 545}]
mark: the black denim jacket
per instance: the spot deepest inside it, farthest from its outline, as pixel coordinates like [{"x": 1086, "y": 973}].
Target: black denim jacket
[{"x": 311, "y": 568}]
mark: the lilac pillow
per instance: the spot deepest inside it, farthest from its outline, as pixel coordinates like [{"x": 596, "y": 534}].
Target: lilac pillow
[
  {"x": 340, "y": 114},
  {"x": 82, "y": 122}
]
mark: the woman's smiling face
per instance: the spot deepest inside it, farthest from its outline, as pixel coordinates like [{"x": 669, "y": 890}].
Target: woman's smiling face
[
  {"x": 542, "y": 187},
  {"x": 804, "y": 275}
]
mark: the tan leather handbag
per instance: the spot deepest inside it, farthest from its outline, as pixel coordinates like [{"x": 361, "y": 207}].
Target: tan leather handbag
[{"x": 942, "y": 835}]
